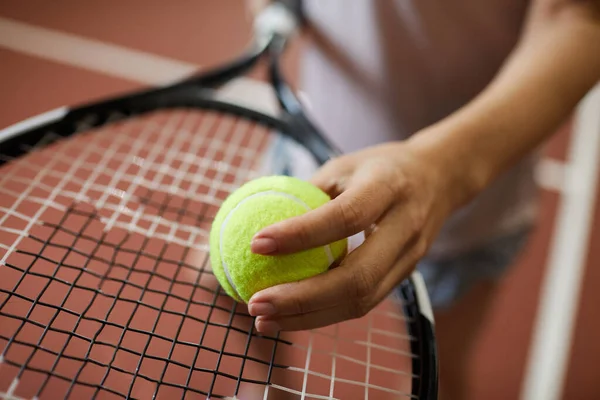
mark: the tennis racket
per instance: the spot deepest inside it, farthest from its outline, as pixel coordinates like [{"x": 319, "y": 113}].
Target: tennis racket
[{"x": 106, "y": 290}]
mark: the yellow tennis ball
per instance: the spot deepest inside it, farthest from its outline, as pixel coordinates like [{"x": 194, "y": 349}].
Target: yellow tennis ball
[{"x": 255, "y": 205}]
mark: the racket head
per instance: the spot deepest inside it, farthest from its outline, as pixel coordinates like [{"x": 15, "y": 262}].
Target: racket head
[{"x": 106, "y": 289}]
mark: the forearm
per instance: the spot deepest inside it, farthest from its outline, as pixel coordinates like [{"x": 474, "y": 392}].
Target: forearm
[{"x": 550, "y": 71}]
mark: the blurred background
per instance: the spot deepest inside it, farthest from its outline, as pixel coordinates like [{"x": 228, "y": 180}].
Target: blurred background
[{"x": 62, "y": 52}]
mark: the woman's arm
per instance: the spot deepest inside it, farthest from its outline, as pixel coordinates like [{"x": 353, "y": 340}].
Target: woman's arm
[
  {"x": 402, "y": 193},
  {"x": 555, "y": 64}
]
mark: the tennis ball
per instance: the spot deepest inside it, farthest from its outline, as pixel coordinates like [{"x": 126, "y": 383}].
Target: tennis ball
[{"x": 255, "y": 205}]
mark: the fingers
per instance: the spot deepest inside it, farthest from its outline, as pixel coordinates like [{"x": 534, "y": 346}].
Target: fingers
[
  {"x": 317, "y": 319},
  {"x": 342, "y": 311},
  {"x": 302, "y": 297},
  {"x": 349, "y": 291},
  {"x": 351, "y": 212}
]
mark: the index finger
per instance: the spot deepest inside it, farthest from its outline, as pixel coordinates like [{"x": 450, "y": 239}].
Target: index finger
[{"x": 351, "y": 212}]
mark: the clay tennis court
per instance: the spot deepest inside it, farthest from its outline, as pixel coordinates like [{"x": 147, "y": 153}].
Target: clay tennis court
[{"x": 65, "y": 52}]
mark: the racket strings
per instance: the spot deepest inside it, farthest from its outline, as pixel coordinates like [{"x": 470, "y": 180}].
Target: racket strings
[
  {"x": 106, "y": 288},
  {"x": 180, "y": 127}
]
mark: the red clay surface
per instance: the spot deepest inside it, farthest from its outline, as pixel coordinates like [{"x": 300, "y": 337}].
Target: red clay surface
[{"x": 186, "y": 31}]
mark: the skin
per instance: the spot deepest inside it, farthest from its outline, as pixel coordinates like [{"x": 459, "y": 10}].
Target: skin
[{"x": 417, "y": 183}]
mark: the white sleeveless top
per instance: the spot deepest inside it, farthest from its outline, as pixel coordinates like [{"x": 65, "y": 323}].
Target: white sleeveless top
[{"x": 381, "y": 70}]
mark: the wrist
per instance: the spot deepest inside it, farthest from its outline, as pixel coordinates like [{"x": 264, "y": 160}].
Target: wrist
[{"x": 457, "y": 172}]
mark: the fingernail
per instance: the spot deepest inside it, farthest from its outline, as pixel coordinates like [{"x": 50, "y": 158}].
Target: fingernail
[
  {"x": 261, "y": 309},
  {"x": 264, "y": 245},
  {"x": 267, "y": 326}
]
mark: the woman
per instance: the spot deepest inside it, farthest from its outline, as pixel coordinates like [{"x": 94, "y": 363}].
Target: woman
[{"x": 439, "y": 106}]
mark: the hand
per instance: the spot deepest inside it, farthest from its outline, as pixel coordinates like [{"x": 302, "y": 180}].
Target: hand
[{"x": 398, "y": 195}]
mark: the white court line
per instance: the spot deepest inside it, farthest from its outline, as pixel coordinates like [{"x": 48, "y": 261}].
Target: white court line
[
  {"x": 91, "y": 54},
  {"x": 551, "y": 340},
  {"x": 121, "y": 62}
]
